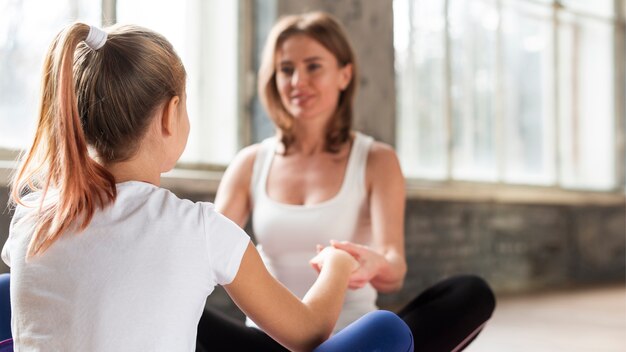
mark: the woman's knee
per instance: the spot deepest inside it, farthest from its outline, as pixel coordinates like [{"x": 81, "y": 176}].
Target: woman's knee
[{"x": 379, "y": 330}]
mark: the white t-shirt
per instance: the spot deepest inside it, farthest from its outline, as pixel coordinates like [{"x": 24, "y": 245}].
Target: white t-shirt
[{"x": 135, "y": 280}]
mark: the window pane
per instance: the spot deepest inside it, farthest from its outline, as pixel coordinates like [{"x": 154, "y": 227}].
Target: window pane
[
  {"x": 587, "y": 103},
  {"x": 528, "y": 121},
  {"x": 420, "y": 66},
  {"x": 27, "y": 28},
  {"x": 595, "y": 7},
  {"x": 205, "y": 35},
  {"x": 473, "y": 34}
]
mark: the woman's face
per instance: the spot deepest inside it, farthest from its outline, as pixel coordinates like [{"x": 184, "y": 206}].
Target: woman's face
[{"x": 309, "y": 79}]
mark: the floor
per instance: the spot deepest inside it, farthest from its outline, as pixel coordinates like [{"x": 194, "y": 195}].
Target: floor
[{"x": 573, "y": 321}]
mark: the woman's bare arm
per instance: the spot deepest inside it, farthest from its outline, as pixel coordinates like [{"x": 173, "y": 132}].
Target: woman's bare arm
[
  {"x": 233, "y": 194},
  {"x": 382, "y": 264}
]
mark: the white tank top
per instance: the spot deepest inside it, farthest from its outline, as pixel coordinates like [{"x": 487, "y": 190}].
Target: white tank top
[{"x": 286, "y": 234}]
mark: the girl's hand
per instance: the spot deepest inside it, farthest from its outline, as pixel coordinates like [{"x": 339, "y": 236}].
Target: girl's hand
[
  {"x": 369, "y": 260},
  {"x": 330, "y": 255}
]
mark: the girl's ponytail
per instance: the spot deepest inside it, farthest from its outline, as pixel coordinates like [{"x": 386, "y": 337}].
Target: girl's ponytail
[{"x": 72, "y": 185}]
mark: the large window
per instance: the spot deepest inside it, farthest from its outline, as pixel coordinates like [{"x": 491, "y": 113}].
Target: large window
[
  {"x": 204, "y": 33},
  {"x": 513, "y": 91},
  {"x": 26, "y": 30}
]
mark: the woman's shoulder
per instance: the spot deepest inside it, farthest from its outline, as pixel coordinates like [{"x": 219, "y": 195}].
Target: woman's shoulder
[
  {"x": 382, "y": 158},
  {"x": 244, "y": 160},
  {"x": 378, "y": 151},
  {"x": 246, "y": 157},
  {"x": 381, "y": 148},
  {"x": 240, "y": 170}
]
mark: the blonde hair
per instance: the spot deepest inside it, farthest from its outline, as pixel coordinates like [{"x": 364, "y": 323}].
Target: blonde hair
[
  {"x": 327, "y": 31},
  {"x": 98, "y": 100}
]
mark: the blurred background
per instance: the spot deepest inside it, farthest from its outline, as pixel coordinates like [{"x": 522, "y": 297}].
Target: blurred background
[{"x": 508, "y": 116}]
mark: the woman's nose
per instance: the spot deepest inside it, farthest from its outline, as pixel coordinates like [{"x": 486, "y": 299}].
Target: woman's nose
[{"x": 298, "y": 78}]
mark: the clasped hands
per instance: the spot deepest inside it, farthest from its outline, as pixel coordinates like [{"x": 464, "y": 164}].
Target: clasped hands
[{"x": 369, "y": 262}]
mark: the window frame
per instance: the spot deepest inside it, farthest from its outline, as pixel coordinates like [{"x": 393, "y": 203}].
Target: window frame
[{"x": 451, "y": 188}]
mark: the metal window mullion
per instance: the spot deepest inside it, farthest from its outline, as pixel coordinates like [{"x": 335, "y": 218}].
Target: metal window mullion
[
  {"x": 246, "y": 73},
  {"x": 109, "y": 12},
  {"x": 409, "y": 85},
  {"x": 499, "y": 129},
  {"x": 619, "y": 94},
  {"x": 448, "y": 94},
  {"x": 556, "y": 90}
]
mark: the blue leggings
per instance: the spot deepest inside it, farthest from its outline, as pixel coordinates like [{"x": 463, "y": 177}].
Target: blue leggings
[
  {"x": 5, "y": 308},
  {"x": 380, "y": 330}
]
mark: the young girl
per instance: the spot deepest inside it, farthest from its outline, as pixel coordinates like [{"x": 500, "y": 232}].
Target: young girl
[{"x": 101, "y": 258}]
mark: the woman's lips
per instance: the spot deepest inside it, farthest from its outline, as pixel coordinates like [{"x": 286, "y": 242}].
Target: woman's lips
[{"x": 300, "y": 99}]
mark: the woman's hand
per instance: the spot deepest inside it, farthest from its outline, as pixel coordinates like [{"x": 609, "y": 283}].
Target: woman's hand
[
  {"x": 369, "y": 262},
  {"x": 325, "y": 255}
]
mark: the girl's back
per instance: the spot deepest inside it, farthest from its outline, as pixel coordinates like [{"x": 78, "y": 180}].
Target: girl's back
[{"x": 148, "y": 240}]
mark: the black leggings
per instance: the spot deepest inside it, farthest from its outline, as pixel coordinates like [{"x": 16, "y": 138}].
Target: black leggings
[{"x": 445, "y": 317}]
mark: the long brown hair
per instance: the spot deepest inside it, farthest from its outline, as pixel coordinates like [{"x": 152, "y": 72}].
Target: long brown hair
[
  {"x": 327, "y": 31},
  {"x": 95, "y": 102}
]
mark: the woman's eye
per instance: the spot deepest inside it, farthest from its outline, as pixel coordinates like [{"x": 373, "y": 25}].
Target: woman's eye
[
  {"x": 286, "y": 70},
  {"x": 313, "y": 67}
]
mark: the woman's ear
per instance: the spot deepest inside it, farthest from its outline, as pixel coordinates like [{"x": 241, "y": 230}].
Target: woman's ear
[
  {"x": 169, "y": 116},
  {"x": 345, "y": 76}
]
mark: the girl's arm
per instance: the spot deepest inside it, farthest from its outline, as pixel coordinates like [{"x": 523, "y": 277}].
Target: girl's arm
[
  {"x": 384, "y": 263},
  {"x": 297, "y": 325}
]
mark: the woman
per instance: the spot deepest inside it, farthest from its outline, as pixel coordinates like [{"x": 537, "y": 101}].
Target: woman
[{"x": 318, "y": 183}]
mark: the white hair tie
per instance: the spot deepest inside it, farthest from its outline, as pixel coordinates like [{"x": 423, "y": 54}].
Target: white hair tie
[{"x": 96, "y": 38}]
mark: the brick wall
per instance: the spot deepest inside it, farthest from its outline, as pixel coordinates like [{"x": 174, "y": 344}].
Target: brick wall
[{"x": 517, "y": 248}]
